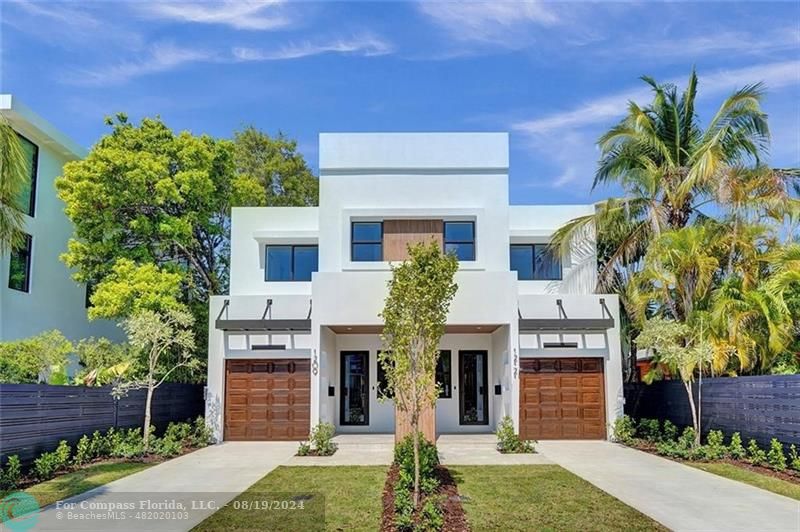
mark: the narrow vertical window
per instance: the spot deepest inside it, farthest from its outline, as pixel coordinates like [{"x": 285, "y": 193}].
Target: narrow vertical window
[
  {"x": 26, "y": 201},
  {"x": 19, "y": 274},
  {"x": 444, "y": 375}
]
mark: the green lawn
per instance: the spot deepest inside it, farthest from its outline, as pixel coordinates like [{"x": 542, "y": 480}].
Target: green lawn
[
  {"x": 82, "y": 480},
  {"x": 333, "y": 498},
  {"x": 766, "y": 482},
  {"x": 541, "y": 497}
]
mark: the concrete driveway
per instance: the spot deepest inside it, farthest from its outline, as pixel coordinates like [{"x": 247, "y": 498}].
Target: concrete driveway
[
  {"x": 173, "y": 496},
  {"x": 680, "y": 497}
]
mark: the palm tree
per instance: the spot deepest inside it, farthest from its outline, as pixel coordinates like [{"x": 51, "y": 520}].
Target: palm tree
[
  {"x": 668, "y": 167},
  {"x": 13, "y": 176}
]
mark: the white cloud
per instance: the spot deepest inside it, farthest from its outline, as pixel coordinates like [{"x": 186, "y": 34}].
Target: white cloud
[
  {"x": 575, "y": 154},
  {"x": 239, "y": 14},
  {"x": 602, "y": 109},
  {"x": 365, "y": 45},
  {"x": 497, "y": 22},
  {"x": 160, "y": 57}
]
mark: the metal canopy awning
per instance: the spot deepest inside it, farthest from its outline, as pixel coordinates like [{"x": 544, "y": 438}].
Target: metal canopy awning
[
  {"x": 564, "y": 323},
  {"x": 265, "y": 323}
]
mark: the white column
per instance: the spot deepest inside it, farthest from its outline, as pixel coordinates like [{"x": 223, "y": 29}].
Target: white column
[{"x": 215, "y": 387}]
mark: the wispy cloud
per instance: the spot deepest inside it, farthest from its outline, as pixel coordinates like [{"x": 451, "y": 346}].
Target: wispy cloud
[
  {"x": 161, "y": 57},
  {"x": 497, "y": 22},
  {"x": 575, "y": 153},
  {"x": 167, "y": 56},
  {"x": 776, "y": 75},
  {"x": 239, "y": 14},
  {"x": 364, "y": 45}
]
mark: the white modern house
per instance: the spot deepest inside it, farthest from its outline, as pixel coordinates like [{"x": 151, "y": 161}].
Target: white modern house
[
  {"x": 296, "y": 340},
  {"x": 36, "y": 291}
]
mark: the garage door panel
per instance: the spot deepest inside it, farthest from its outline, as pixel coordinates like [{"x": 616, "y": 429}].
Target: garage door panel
[
  {"x": 267, "y": 400},
  {"x": 562, "y": 398}
]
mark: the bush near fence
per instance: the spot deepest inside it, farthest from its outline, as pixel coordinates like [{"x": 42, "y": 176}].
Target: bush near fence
[
  {"x": 759, "y": 407},
  {"x": 35, "y": 417}
]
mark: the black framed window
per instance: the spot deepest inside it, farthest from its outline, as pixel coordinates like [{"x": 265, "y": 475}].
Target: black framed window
[
  {"x": 291, "y": 263},
  {"x": 459, "y": 239},
  {"x": 19, "y": 271},
  {"x": 89, "y": 293},
  {"x": 535, "y": 262},
  {"x": 27, "y": 197},
  {"x": 444, "y": 375},
  {"x": 366, "y": 241}
]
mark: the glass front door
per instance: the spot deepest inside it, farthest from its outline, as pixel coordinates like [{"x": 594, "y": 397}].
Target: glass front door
[
  {"x": 473, "y": 379},
  {"x": 355, "y": 388}
]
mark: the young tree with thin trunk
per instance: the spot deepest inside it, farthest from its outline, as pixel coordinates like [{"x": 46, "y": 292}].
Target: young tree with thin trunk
[
  {"x": 165, "y": 342},
  {"x": 415, "y": 314}
]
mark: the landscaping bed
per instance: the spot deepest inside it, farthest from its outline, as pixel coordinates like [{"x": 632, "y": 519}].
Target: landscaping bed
[{"x": 453, "y": 517}]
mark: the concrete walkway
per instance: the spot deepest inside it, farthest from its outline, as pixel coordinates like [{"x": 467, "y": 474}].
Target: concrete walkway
[
  {"x": 354, "y": 449},
  {"x": 199, "y": 482},
  {"x": 680, "y": 497},
  {"x": 480, "y": 449}
]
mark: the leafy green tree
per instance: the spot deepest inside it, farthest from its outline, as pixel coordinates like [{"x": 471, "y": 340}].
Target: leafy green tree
[
  {"x": 13, "y": 176},
  {"x": 415, "y": 314},
  {"x": 32, "y": 360},
  {"x": 164, "y": 341},
  {"x": 104, "y": 362},
  {"x": 677, "y": 346},
  {"x": 270, "y": 171},
  {"x": 129, "y": 288},
  {"x": 149, "y": 195}
]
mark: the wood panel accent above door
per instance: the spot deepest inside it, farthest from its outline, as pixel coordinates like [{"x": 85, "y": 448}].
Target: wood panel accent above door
[{"x": 399, "y": 234}]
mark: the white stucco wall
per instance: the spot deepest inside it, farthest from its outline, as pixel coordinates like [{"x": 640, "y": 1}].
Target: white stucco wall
[{"x": 54, "y": 301}]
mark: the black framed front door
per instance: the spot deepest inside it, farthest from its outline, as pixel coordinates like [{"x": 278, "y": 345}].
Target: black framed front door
[
  {"x": 473, "y": 381},
  {"x": 354, "y": 401}
]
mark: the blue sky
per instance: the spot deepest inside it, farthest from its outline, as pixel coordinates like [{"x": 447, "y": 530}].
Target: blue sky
[{"x": 554, "y": 75}]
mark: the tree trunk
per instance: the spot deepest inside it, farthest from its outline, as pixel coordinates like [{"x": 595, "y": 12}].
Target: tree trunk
[
  {"x": 693, "y": 408},
  {"x": 415, "y": 427},
  {"x": 147, "y": 404}
]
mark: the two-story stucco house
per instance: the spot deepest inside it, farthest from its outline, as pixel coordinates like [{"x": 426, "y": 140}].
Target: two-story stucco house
[
  {"x": 37, "y": 292},
  {"x": 296, "y": 341}
]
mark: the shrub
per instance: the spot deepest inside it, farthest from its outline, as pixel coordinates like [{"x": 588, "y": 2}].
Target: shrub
[
  {"x": 26, "y": 360},
  {"x": 62, "y": 453},
  {"x": 682, "y": 448},
  {"x": 201, "y": 433},
  {"x": 775, "y": 456},
  {"x": 321, "y": 439},
  {"x": 126, "y": 443},
  {"x": 715, "y": 446},
  {"x": 431, "y": 517},
  {"x": 669, "y": 432},
  {"x": 649, "y": 429},
  {"x": 166, "y": 447},
  {"x": 624, "y": 430},
  {"x": 736, "y": 449},
  {"x": 45, "y": 467},
  {"x": 83, "y": 451},
  {"x": 794, "y": 459},
  {"x": 756, "y": 456},
  {"x": 11, "y": 474},
  {"x": 686, "y": 440},
  {"x": 428, "y": 456},
  {"x": 304, "y": 449},
  {"x": 508, "y": 441}
]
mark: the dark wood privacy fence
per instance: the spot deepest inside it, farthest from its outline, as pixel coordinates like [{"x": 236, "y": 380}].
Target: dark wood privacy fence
[
  {"x": 35, "y": 417},
  {"x": 761, "y": 407}
]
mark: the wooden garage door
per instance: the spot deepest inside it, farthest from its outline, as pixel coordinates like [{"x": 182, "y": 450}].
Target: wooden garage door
[
  {"x": 562, "y": 398},
  {"x": 267, "y": 399}
]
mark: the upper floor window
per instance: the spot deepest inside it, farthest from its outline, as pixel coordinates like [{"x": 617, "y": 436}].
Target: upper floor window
[
  {"x": 459, "y": 238},
  {"x": 27, "y": 197},
  {"x": 19, "y": 271},
  {"x": 535, "y": 262},
  {"x": 366, "y": 242},
  {"x": 291, "y": 263}
]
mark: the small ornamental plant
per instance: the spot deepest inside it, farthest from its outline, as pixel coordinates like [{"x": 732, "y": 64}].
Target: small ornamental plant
[{"x": 775, "y": 457}]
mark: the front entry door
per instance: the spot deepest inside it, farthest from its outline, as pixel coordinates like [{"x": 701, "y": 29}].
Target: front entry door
[
  {"x": 354, "y": 406},
  {"x": 473, "y": 380}
]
